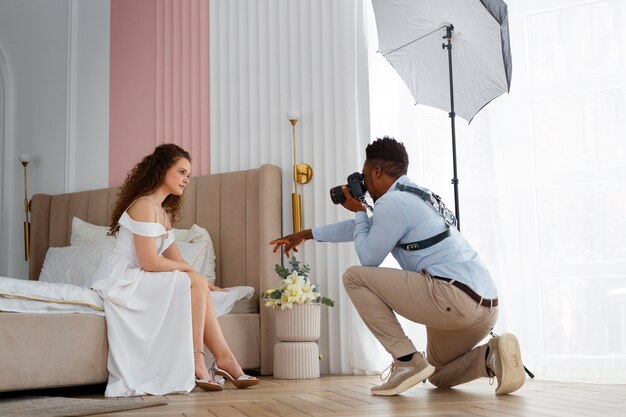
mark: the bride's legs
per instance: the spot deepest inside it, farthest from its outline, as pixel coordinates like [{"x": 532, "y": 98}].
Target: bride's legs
[
  {"x": 214, "y": 339},
  {"x": 198, "y": 308}
]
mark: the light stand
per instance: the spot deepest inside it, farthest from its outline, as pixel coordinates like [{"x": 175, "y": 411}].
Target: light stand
[{"x": 452, "y": 114}]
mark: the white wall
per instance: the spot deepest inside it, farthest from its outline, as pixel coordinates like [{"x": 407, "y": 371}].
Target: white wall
[
  {"x": 91, "y": 159},
  {"x": 56, "y": 109}
]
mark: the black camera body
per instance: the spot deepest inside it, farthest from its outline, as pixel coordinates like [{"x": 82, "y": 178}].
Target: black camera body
[{"x": 356, "y": 186}]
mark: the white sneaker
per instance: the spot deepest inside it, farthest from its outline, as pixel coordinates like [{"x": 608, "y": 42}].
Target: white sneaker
[
  {"x": 504, "y": 362},
  {"x": 404, "y": 375}
]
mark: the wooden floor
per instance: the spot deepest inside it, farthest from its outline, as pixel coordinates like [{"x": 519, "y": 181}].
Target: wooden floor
[{"x": 349, "y": 396}]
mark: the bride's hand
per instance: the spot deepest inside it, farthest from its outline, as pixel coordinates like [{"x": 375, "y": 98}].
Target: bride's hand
[
  {"x": 187, "y": 267},
  {"x": 215, "y": 288}
]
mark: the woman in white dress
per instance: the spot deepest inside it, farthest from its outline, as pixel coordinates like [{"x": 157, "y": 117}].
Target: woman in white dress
[{"x": 159, "y": 311}]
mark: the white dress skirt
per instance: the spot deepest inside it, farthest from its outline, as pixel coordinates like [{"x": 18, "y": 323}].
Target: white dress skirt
[{"x": 148, "y": 316}]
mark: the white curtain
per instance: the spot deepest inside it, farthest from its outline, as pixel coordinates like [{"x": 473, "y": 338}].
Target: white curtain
[
  {"x": 268, "y": 56},
  {"x": 542, "y": 182}
]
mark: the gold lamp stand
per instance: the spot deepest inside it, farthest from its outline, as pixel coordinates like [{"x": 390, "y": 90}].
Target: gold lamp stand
[
  {"x": 302, "y": 174},
  {"x": 25, "y": 159}
]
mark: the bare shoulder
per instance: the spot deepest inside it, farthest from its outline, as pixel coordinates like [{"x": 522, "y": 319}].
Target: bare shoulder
[{"x": 143, "y": 210}]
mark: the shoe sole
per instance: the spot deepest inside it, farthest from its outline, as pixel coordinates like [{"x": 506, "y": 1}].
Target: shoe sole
[
  {"x": 209, "y": 386},
  {"x": 238, "y": 383},
  {"x": 512, "y": 369},
  {"x": 408, "y": 383}
]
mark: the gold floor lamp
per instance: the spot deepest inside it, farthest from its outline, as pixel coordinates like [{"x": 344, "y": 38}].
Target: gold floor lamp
[
  {"x": 302, "y": 174},
  {"x": 25, "y": 159}
]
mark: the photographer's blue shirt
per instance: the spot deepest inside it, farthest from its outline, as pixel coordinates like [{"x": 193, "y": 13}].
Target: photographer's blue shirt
[{"x": 403, "y": 217}]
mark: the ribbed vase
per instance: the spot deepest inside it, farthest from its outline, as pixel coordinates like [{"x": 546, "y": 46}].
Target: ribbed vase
[
  {"x": 299, "y": 324},
  {"x": 296, "y": 360}
]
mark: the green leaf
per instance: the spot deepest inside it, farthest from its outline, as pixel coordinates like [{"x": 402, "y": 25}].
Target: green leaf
[
  {"x": 299, "y": 267},
  {"x": 282, "y": 271},
  {"x": 327, "y": 301},
  {"x": 276, "y": 294},
  {"x": 295, "y": 264}
]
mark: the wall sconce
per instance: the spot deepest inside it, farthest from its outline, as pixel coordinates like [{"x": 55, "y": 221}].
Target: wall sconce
[
  {"x": 25, "y": 159},
  {"x": 302, "y": 174}
]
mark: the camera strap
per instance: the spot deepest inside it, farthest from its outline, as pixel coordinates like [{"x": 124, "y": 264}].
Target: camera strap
[
  {"x": 426, "y": 243},
  {"x": 434, "y": 201}
]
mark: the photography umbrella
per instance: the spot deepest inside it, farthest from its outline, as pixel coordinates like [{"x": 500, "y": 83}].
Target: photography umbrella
[{"x": 453, "y": 55}]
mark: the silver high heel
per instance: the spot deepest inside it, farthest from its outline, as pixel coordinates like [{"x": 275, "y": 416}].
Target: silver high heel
[
  {"x": 244, "y": 381},
  {"x": 209, "y": 384}
]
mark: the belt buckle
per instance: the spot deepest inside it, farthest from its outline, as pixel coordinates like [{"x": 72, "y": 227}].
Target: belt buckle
[{"x": 412, "y": 246}]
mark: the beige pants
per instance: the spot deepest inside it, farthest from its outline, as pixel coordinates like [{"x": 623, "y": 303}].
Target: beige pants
[{"x": 454, "y": 322}]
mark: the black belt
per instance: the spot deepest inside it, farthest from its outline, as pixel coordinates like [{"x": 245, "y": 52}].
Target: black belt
[
  {"x": 485, "y": 302},
  {"x": 423, "y": 244}
]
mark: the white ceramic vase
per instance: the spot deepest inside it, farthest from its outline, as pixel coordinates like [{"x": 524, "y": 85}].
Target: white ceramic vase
[
  {"x": 296, "y": 356},
  {"x": 296, "y": 360},
  {"x": 299, "y": 324}
]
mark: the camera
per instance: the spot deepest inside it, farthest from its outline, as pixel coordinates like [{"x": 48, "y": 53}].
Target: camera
[{"x": 356, "y": 186}]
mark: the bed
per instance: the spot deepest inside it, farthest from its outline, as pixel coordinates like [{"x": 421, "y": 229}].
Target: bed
[{"x": 242, "y": 213}]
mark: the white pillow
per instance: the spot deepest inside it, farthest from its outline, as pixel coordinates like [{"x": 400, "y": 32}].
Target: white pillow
[
  {"x": 71, "y": 264},
  {"x": 195, "y": 255},
  {"x": 75, "y": 264},
  {"x": 194, "y": 234},
  {"x": 199, "y": 234},
  {"x": 84, "y": 233}
]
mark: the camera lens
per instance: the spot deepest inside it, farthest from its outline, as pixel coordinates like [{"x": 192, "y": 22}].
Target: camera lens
[{"x": 337, "y": 196}]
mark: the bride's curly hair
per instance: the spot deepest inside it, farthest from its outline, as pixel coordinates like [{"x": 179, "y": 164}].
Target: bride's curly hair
[{"x": 144, "y": 178}]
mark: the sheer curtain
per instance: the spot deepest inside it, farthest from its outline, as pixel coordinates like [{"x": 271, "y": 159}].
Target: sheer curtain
[
  {"x": 268, "y": 56},
  {"x": 542, "y": 182}
]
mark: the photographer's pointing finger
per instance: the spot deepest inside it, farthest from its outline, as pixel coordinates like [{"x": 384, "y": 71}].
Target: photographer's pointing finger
[
  {"x": 290, "y": 247},
  {"x": 278, "y": 243}
]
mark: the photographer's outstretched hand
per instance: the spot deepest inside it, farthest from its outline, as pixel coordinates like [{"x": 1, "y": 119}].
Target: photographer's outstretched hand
[{"x": 291, "y": 242}]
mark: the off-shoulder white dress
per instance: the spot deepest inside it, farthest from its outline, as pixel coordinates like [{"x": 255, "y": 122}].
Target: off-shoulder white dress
[{"x": 148, "y": 317}]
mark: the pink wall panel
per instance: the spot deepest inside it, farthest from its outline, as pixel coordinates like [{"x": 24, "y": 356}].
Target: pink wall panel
[
  {"x": 132, "y": 120},
  {"x": 182, "y": 77},
  {"x": 159, "y": 81}
]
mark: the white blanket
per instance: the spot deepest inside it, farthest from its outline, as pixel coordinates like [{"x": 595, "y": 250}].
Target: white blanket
[
  {"x": 22, "y": 296},
  {"x": 225, "y": 300}
]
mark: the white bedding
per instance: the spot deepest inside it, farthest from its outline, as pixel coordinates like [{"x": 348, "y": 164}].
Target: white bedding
[{"x": 22, "y": 296}]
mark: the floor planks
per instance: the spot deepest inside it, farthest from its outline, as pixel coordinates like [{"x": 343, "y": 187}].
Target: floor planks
[{"x": 344, "y": 396}]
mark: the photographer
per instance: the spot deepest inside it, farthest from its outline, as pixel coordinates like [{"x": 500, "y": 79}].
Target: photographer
[{"x": 443, "y": 284}]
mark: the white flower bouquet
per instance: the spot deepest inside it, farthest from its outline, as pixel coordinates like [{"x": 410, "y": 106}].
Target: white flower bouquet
[{"x": 296, "y": 288}]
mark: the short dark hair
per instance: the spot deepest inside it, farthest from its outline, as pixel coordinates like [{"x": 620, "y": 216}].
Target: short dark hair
[{"x": 390, "y": 155}]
